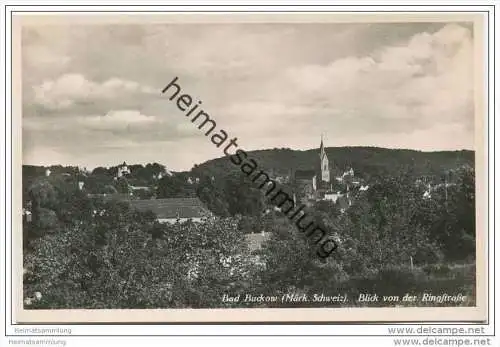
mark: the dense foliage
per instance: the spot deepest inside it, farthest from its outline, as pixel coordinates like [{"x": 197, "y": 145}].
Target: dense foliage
[
  {"x": 121, "y": 258},
  {"x": 82, "y": 251},
  {"x": 391, "y": 242}
]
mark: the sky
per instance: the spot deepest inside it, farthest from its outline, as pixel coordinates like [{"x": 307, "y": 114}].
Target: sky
[{"x": 92, "y": 93}]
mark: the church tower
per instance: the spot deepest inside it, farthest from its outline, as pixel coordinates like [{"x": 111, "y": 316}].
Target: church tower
[{"x": 325, "y": 167}]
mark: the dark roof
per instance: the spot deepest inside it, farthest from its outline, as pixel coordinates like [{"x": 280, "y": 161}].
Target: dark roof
[
  {"x": 305, "y": 174},
  {"x": 173, "y": 208}
]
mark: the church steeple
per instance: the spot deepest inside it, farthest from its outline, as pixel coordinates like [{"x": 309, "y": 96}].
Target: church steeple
[
  {"x": 325, "y": 167},
  {"x": 321, "y": 149}
]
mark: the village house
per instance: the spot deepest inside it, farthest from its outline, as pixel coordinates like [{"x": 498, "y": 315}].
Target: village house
[
  {"x": 280, "y": 176},
  {"x": 27, "y": 215},
  {"x": 160, "y": 175},
  {"x": 192, "y": 180},
  {"x": 311, "y": 184},
  {"x": 305, "y": 181},
  {"x": 174, "y": 209},
  {"x": 122, "y": 170},
  {"x": 332, "y": 196}
]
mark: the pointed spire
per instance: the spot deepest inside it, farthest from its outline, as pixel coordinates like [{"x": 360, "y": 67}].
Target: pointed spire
[{"x": 321, "y": 148}]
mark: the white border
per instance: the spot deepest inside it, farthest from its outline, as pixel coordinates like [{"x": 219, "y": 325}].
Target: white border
[{"x": 230, "y": 329}]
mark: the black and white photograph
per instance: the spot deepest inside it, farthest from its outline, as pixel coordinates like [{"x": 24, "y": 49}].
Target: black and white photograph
[{"x": 232, "y": 164}]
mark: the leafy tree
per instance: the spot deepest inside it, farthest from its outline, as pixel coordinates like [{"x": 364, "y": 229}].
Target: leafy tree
[
  {"x": 242, "y": 197},
  {"x": 123, "y": 258},
  {"x": 232, "y": 194},
  {"x": 101, "y": 171},
  {"x": 42, "y": 194},
  {"x": 122, "y": 185},
  {"x": 211, "y": 193},
  {"x": 450, "y": 215},
  {"x": 173, "y": 187}
]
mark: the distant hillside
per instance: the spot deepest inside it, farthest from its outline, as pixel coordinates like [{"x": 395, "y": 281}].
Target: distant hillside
[{"x": 366, "y": 161}]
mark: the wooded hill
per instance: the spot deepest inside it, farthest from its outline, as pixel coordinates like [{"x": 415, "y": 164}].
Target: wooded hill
[{"x": 367, "y": 162}]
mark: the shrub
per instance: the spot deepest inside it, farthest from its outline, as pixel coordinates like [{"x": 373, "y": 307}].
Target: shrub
[
  {"x": 45, "y": 221},
  {"x": 437, "y": 269}
]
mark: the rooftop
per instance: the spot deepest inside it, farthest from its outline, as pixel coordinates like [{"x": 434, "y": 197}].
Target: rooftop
[{"x": 173, "y": 208}]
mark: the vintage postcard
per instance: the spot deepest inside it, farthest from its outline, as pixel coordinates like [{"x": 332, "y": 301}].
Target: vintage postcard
[{"x": 283, "y": 167}]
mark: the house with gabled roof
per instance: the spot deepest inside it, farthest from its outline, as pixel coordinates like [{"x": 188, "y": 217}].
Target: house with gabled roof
[
  {"x": 174, "y": 210},
  {"x": 306, "y": 185}
]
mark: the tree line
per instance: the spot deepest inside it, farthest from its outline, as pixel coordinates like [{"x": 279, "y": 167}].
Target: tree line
[{"x": 90, "y": 253}]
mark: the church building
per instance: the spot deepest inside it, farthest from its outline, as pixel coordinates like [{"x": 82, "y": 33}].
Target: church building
[
  {"x": 310, "y": 185},
  {"x": 324, "y": 164}
]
